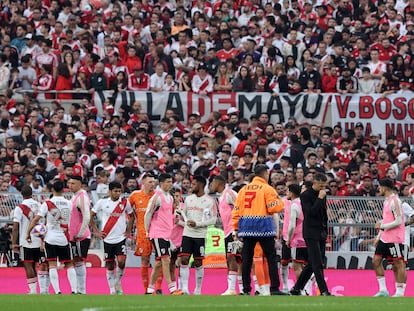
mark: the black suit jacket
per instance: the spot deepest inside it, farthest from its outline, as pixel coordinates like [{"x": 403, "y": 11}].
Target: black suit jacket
[{"x": 315, "y": 224}]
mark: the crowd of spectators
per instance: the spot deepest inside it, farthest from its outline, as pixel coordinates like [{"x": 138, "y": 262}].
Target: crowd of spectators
[{"x": 201, "y": 46}]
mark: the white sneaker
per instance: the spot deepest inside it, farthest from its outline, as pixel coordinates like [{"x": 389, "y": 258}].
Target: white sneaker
[
  {"x": 382, "y": 294},
  {"x": 197, "y": 292},
  {"x": 398, "y": 295},
  {"x": 229, "y": 292},
  {"x": 265, "y": 290}
]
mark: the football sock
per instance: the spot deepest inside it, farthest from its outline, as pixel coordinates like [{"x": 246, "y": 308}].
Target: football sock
[
  {"x": 240, "y": 281},
  {"x": 185, "y": 273},
  {"x": 400, "y": 288},
  {"x": 284, "y": 272},
  {"x": 231, "y": 280},
  {"x": 255, "y": 282},
  {"x": 44, "y": 281},
  {"x": 54, "y": 279},
  {"x": 32, "y": 283},
  {"x": 119, "y": 275},
  {"x": 172, "y": 287},
  {"x": 266, "y": 271},
  {"x": 259, "y": 273},
  {"x": 199, "y": 278},
  {"x": 381, "y": 283},
  {"x": 110, "y": 276},
  {"x": 145, "y": 277},
  {"x": 71, "y": 273},
  {"x": 80, "y": 269}
]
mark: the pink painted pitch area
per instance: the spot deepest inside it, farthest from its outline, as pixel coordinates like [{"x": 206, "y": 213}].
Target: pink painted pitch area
[{"x": 340, "y": 282}]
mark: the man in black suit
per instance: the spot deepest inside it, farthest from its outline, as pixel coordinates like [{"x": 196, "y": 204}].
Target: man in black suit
[{"x": 315, "y": 230}]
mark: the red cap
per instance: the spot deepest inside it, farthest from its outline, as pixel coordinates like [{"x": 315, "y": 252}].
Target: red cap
[
  {"x": 110, "y": 109},
  {"x": 369, "y": 176},
  {"x": 351, "y": 183},
  {"x": 341, "y": 174}
]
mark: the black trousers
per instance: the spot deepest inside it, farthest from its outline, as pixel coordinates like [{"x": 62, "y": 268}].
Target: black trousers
[
  {"x": 316, "y": 255},
  {"x": 268, "y": 246}
]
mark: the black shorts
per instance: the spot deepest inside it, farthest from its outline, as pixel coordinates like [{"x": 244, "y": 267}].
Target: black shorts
[
  {"x": 174, "y": 254},
  {"x": 193, "y": 246},
  {"x": 32, "y": 255},
  {"x": 162, "y": 248},
  {"x": 231, "y": 248},
  {"x": 286, "y": 253},
  {"x": 114, "y": 250},
  {"x": 80, "y": 248},
  {"x": 53, "y": 252},
  {"x": 299, "y": 255},
  {"x": 390, "y": 251}
]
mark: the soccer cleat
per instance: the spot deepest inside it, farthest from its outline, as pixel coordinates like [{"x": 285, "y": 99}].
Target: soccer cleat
[
  {"x": 158, "y": 291},
  {"x": 278, "y": 293},
  {"x": 295, "y": 292},
  {"x": 244, "y": 294},
  {"x": 396, "y": 295},
  {"x": 229, "y": 292},
  {"x": 326, "y": 294},
  {"x": 257, "y": 293},
  {"x": 383, "y": 293},
  {"x": 286, "y": 291},
  {"x": 177, "y": 292}
]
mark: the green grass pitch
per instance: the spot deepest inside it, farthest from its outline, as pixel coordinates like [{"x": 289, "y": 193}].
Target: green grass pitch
[{"x": 202, "y": 303}]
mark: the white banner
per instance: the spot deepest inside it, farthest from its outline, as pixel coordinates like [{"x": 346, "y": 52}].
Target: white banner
[
  {"x": 388, "y": 115},
  {"x": 306, "y": 108}
]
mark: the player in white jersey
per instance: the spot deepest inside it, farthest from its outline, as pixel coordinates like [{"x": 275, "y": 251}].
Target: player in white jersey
[
  {"x": 200, "y": 211},
  {"x": 114, "y": 231},
  {"x": 57, "y": 212},
  {"x": 225, "y": 207},
  {"x": 30, "y": 252},
  {"x": 79, "y": 233}
]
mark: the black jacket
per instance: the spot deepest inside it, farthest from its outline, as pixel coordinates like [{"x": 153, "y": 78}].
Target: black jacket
[{"x": 315, "y": 224}]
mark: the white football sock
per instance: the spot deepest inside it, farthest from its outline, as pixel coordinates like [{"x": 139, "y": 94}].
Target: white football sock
[
  {"x": 110, "y": 276},
  {"x": 284, "y": 271},
  {"x": 381, "y": 283},
  {"x": 71, "y": 273},
  {"x": 32, "y": 283},
  {"x": 185, "y": 274},
  {"x": 199, "y": 279},
  {"x": 232, "y": 280},
  {"x": 80, "y": 269},
  {"x": 54, "y": 279}
]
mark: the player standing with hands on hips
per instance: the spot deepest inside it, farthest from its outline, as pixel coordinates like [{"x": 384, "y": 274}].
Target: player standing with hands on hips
[
  {"x": 315, "y": 232},
  {"x": 253, "y": 221}
]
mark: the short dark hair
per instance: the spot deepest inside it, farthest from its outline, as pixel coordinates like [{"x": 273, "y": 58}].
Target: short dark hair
[
  {"x": 295, "y": 189},
  {"x": 58, "y": 186},
  {"x": 260, "y": 169},
  {"x": 163, "y": 177},
  {"x": 27, "y": 191},
  {"x": 200, "y": 179},
  {"x": 115, "y": 185},
  {"x": 220, "y": 178},
  {"x": 320, "y": 177}
]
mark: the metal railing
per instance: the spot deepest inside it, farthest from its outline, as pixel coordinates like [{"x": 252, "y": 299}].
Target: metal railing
[{"x": 351, "y": 220}]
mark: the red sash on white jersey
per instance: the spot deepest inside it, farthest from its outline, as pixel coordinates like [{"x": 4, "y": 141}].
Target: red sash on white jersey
[
  {"x": 204, "y": 85},
  {"x": 112, "y": 220},
  {"x": 27, "y": 211},
  {"x": 281, "y": 150},
  {"x": 64, "y": 227},
  {"x": 377, "y": 69}
]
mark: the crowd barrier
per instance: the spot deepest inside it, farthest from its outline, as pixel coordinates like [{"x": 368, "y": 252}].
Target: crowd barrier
[{"x": 381, "y": 114}]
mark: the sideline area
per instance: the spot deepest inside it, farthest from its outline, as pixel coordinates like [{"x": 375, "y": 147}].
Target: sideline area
[{"x": 341, "y": 282}]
